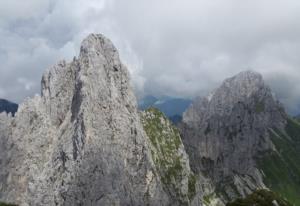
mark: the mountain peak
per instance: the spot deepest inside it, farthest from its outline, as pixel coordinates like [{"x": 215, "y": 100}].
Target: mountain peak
[
  {"x": 246, "y": 86},
  {"x": 99, "y": 47},
  {"x": 84, "y": 138},
  {"x": 244, "y": 83},
  {"x": 230, "y": 125},
  {"x": 249, "y": 74}
]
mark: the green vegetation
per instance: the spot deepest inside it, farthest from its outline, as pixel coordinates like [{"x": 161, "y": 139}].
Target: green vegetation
[
  {"x": 260, "y": 198},
  {"x": 172, "y": 172},
  {"x": 293, "y": 130},
  {"x": 6, "y": 204},
  {"x": 282, "y": 168},
  {"x": 208, "y": 198},
  {"x": 259, "y": 107},
  {"x": 297, "y": 118},
  {"x": 192, "y": 186},
  {"x": 167, "y": 155},
  {"x": 163, "y": 135}
]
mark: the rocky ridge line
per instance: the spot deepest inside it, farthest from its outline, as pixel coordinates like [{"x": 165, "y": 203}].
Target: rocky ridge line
[{"x": 81, "y": 142}]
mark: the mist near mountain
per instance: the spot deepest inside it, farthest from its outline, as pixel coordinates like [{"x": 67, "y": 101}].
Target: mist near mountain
[
  {"x": 172, "y": 107},
  {"x": 176, "y": 48}
]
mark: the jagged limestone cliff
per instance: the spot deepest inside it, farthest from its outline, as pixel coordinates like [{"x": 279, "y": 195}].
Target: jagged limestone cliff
[
  {"x": 81, "y": 142},
  {"x": 238, "y": 136}
]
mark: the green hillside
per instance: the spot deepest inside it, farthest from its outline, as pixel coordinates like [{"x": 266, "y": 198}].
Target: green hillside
[
  {"x": 260, "y": 198},
  {"x": 167, "y": 154},
  {"x": 282, "y": 168},
  {"x": 5, "y": 204}
]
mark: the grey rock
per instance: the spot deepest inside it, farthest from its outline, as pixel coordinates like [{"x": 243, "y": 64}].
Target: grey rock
[
  {"x": 81, "y": 142},
  {"x": 225, "y": 132}
]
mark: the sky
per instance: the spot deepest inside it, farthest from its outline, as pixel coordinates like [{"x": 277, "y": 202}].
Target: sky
[{"x": 171, "y": 47}]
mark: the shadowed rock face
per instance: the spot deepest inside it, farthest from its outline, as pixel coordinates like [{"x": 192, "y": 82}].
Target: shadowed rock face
[
  {"x": 81, "y": 142},
  {"x": 227, "y": 131}
]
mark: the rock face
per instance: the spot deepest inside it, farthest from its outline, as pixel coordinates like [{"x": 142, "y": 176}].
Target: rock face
[
  {"x": 226, "y": 132},
  {"x": 81, "y": 142}
]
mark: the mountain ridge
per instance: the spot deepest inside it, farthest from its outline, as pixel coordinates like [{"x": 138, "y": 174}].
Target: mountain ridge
[
  {"x": 227, "y": 134},
  {"x": 8, "y": 106},
  {"x": 84, "y": 142},
  {"x": 81, "y": 142}
]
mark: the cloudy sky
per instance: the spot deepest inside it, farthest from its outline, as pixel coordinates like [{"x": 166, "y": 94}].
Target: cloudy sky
[{"x": 181, "y": 48}]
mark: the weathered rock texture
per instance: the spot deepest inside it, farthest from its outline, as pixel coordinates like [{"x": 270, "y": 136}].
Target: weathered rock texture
[
  {"x": 81, "y": 142},
  {"x": 226, "y": 132}
]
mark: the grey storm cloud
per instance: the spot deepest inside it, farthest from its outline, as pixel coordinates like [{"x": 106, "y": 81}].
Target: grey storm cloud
[{"x": 171, "y": 47}]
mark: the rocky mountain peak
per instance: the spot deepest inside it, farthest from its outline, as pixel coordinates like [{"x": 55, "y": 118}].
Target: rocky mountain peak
[
  {"x": 97, "y": 75},
  {"x": 248, "y": 80},
  {"x": 224, "y": 132},
  {"x": 242, "y": 84},
  {"x": 95, "y": 45},
  {"x": 81, "y": 142},
  {"x": 247, "y": 88}
]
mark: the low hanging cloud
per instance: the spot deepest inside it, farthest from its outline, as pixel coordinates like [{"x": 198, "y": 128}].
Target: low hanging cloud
[{"x": 177, "y": 48}]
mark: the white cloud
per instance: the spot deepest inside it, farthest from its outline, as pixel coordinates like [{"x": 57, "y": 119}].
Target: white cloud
[
  {"x": 182, "y": 48},
  {"x": 22, "y": 10},
  {"x": 27, "y": 84}
]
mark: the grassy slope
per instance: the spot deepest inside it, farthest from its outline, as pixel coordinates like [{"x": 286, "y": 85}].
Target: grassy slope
[
  {"x": 5, "y": 204},
  {"x": 165, "y": 140},
  {"x": 260, "y": 198},
  {"x": 282, "y": 168}
]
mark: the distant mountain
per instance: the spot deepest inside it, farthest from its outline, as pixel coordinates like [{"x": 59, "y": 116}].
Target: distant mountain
[
  {"x": 172, "y": 107},
  {"x": 147, "y": 102},
  {"x": 8, "y": 107},
  {"x": 297, "y": 117},
  {"x": 176, "y": 119},
  {"x": 241, "y": 137}
]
